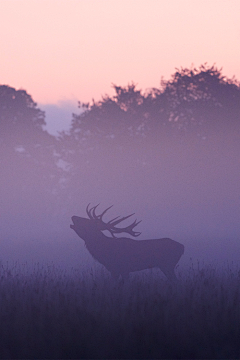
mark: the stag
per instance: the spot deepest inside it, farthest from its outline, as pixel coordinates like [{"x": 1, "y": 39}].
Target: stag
[{"x": 122, "y": 255}]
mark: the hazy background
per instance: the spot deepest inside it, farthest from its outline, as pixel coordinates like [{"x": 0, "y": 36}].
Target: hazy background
[{"x": 65, "y": 51}]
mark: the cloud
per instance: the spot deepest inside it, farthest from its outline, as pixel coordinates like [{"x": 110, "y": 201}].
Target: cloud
[{"x": 59, "y": 115}]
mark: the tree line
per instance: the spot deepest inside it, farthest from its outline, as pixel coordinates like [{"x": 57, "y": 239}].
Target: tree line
[{"x": 195, "y": 103}]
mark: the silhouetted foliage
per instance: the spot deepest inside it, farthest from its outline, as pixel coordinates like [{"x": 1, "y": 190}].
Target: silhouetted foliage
[
  {"x": 193, "y": 100},
  {"x": 29, "y": 172},
  {"x": 132, "y": 132},
  {"x": 200, "y": 99}
]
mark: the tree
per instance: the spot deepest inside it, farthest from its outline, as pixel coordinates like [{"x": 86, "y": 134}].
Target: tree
[
  {"x": 132, "y": 130},
  {"x": 199, "y": 99},
  {"x": 193, "y": 100},
  {"x": 29, "y": 173}
]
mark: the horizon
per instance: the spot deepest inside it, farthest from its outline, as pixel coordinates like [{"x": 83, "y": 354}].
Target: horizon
[
  {"x": 63, "y": 110},
  {"x": 66, "y": 51},
  {"x": 58, "y": 55}
]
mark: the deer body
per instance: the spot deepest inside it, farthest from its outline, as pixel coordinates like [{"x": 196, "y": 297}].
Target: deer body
[{"x": 123, "y": 255}]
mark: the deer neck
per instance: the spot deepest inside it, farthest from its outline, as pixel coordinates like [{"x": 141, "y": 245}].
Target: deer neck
[{"x": 94, "y": 238}]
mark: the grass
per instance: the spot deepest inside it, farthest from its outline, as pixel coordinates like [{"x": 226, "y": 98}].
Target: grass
[{"x": 48, "y": 313}]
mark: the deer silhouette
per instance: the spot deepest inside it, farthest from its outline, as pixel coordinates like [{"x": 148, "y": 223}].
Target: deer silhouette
[{"x": 122, "y": 255}]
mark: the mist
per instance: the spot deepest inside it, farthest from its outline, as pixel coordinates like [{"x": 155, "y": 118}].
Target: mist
[
  {"x": 180, "y": 177},
  {"x": 184, "y": 190},
  {"x": 77, "y": 278},
  {"x": 58, "y": 116}
]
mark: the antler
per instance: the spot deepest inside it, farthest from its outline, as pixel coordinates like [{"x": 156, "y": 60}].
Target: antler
[
  {"x": 128, "y": 229},
  {"x": 92, "y": 214},
  {"x": 111, "y": 225}
]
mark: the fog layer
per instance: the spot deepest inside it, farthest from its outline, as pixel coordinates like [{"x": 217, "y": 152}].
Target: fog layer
[{"x": 182, "y": 182}]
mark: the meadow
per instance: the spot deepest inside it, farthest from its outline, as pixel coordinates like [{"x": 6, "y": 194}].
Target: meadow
[{"x": 46, "y": 312}]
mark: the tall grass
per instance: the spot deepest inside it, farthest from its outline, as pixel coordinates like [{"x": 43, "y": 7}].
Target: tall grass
[{"x": 48, "y": 313}]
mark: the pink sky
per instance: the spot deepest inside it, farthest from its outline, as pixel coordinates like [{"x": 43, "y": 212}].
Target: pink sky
[{"x": 69, "y": 50}]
